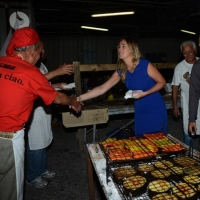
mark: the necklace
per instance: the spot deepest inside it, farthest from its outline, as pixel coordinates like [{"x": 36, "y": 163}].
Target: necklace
[{"x": 19, "y": 55}]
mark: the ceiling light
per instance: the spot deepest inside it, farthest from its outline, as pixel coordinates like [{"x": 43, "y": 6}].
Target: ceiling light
[
  {"x": 94, "y": 28},
  {"x": 51, "y": 9},
  {"x": 188, "y": 32},
  {"x": 113, "y": 14}
]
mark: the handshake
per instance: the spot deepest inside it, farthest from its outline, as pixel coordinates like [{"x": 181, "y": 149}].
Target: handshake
[{"x": 75, "y": 103}]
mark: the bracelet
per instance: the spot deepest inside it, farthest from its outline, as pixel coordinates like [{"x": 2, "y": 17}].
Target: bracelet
[{"x": 78, "y": 98}]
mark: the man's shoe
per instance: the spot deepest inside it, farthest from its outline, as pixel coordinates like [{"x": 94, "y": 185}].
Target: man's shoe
[
  {"x": 38, "y": 182},
  {"x": 48, "y": 174}
]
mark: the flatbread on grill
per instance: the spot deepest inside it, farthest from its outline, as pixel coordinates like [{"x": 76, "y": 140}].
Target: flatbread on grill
[
  {"x": 164, "y": 196},
  {"x": 164, "y": 164},
  {"x": 185, "y": 161},
  {"x": 124, "y": 172},
  {"x": 160, "y": 173},
  {"x": 184, "y": 191},
  {"x": 134, "y": 182},
  {"x": 159, "y": 186},
  {"x": 145, "y": 167}
]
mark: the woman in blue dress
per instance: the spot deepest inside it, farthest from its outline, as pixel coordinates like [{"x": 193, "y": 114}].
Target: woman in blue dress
[{"x": 137, "y": 74}]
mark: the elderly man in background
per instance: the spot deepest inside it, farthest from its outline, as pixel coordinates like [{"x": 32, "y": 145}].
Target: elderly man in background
[
  {"x": 181, "y": 79},
  {"x": 21, "y": 83}
]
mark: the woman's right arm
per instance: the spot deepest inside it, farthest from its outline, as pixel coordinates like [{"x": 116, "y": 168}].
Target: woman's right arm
[{"x": 99, "y": 90}]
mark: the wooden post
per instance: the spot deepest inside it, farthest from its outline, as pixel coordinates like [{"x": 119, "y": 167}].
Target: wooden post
[
  {"x": 90, "y": 176},
  {"x": 77, "y": 81},
  {"x": 77, "y": 77}
]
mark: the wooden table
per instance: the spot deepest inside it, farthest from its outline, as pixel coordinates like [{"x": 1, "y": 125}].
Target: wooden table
[{"x": 97, "y": 163}]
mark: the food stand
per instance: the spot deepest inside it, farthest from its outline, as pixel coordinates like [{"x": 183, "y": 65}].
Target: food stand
[{"x": 100, "y": 159}]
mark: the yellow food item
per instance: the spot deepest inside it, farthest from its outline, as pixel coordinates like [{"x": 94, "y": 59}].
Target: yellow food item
[
  {"x": 164, "y": 196},
  {"x": 124, "y": 172},
  {"x": 192, "y": 170},
  {"x": 145, "y": 167},
  {"x": 176, "y": 170},
  {"x": 193, "y": 179},
  {"x": 163, "y": 164},
  {"x": 134, "y": 182},
  {"x": 160, "y": 173},
  {"x": 159, "y": 186},
  {"x": 184, "y": 190},
  {"x": 185, "y": 161}
]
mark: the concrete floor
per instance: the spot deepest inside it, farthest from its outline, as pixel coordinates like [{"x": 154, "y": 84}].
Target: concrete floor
[{"x": 69, "y": 162}]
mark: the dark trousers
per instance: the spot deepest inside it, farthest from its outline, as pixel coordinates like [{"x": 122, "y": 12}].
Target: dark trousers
[{"x": 35, "y": 163}]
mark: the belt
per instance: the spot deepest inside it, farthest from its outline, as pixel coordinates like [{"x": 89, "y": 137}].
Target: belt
[{"x": 7, "y": 134}]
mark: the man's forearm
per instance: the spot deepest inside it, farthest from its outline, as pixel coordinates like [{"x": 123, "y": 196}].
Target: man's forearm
[
  {"x": 51, "y": 74},
  {"x": 62, "y": 99},
  {"x": 174, "y": 96}
]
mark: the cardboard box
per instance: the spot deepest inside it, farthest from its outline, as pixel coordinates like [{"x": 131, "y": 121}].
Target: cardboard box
[{"x": 87, "y": 117}]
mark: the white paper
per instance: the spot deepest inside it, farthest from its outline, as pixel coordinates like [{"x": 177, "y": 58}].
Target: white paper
[
  {"x": 130, "y": 94},
  {"x": 69, "y": 86}
]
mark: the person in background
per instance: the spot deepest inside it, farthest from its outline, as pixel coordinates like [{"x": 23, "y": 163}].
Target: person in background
[
  {"x": 138, "y": 74},
  {"x": 39, "y": 132},
  {"x": 181, "y": 79},
  {"x": 194, "y": 98},
  {"x": 21, "y": 83}
]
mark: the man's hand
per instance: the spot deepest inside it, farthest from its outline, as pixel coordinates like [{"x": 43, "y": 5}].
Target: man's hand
[
  {"x": 192, "y": 128},
  {"x": 176, "y": 112},
  {"x": 65, "y": 69},
  {"x": 62, "y": 70},
  {"x": 75, "y": 105}
]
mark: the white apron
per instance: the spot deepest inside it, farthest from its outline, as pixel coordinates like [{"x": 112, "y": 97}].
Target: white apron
[{"x": 39, "y": 133}]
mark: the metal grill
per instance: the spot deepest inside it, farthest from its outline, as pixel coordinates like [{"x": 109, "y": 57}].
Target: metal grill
[{"x": 166, "y": 168}]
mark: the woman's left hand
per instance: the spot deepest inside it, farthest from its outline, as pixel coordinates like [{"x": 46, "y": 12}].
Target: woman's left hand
[{"x": 138, "y": 95}]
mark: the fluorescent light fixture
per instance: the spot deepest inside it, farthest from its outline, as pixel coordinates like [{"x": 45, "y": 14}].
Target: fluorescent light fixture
[
  {"x": 188, "y": 32},
  {"x": 113, "y": 14},
  {"x": 94, "y": 28}
]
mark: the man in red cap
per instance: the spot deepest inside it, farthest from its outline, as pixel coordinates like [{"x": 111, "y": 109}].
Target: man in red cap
[{"x": 21, "y": 83}]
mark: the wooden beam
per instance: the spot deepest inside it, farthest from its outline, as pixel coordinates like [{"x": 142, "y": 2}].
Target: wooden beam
[
  {"x": 113, "y": 67},
  {"x": 164, "y": 65},
  {"x": 98, "y": 67}
]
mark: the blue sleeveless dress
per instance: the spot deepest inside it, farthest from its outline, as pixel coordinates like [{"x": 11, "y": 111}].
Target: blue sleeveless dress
[{"x": 150, "y": 111}]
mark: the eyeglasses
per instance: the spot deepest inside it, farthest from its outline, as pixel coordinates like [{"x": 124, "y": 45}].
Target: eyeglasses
[{"x": 188, "y": 52}]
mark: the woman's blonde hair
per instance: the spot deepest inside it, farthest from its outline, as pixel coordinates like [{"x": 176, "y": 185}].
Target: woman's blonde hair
[{"x": 133, "y": 46}]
